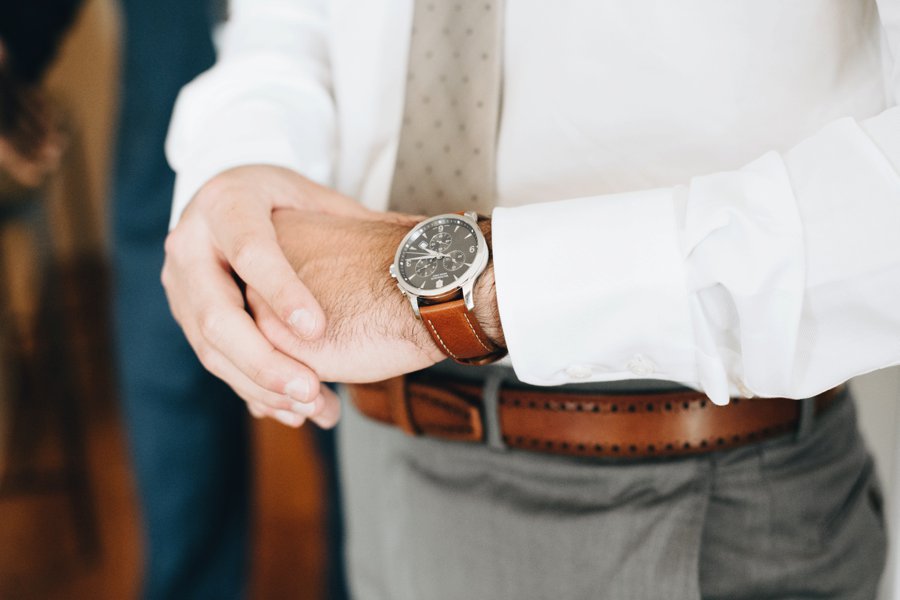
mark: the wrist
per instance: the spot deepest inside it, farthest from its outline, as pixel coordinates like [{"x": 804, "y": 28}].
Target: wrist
[
  {"x": 487, "y": 312},
  {"x": 447, "y": 315},
  {"x": 406, "y": 325}
]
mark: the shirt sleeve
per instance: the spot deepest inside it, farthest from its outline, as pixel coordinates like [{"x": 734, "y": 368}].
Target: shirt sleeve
[
  {"x": 781, "y": 278},
  {"x": 271, "y": 81}
]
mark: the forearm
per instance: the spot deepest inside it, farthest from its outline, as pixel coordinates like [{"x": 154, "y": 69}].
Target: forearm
[{"x": 371, "y": 331}]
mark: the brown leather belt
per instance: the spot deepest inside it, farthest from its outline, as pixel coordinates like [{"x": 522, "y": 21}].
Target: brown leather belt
[{"x": 581, "y": 424}]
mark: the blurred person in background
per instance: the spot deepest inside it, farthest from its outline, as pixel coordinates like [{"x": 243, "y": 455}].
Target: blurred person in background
[
  {"x": 188, "y": 440},
  {"x": 188, "y": 431},
  {"x": 30, "y": 142}
]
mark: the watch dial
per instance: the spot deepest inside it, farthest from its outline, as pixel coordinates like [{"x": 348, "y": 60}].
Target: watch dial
[{"x": 438, "y": 254}]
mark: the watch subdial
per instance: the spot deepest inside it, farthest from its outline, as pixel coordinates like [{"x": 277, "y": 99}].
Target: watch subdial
[
  {"x": 454, "y": 261},
  {"x": 426, "y": 267},
  {"x": 440, "y": 242}
]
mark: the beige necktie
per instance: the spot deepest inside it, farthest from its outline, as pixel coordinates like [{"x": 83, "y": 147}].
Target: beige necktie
[{"x": 446, "y": 155}]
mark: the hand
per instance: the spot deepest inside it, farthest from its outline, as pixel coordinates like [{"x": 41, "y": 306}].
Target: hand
[
  {"x": 228, "y": 226},
  {"x": 371, "y": 333}
]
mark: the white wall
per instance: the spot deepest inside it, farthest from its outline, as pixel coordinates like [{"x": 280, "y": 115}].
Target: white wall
[{"x": 877, "y": 396}]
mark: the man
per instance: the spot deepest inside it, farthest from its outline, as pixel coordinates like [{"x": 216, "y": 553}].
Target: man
[{"x": 699, "y": 193}]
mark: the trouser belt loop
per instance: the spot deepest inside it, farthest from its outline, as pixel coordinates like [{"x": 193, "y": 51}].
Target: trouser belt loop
[
  {"x": 807, "y": 418},
  {"x": 401, "y": 411},
  {"x": 490, "y": 395}
]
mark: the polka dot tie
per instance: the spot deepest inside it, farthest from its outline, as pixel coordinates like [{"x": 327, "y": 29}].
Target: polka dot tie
[{"x": 446, "y": 154}]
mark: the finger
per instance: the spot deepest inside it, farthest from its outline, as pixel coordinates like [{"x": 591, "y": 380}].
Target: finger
[
  {"x": 262, "y": 403},
  {"x": 246, "y": 237},
  {"x": 222, "y": 325},
  {"x": 234, "y": 335},
  {"x": 272, "y": 327},
  {"x": 282, "y": 417},
  {"x": 328, "y": 405},
  {"x": 200, "y": 289},
  {"x": 255, "y": 410},
  {"x": 330, "y": 412}
]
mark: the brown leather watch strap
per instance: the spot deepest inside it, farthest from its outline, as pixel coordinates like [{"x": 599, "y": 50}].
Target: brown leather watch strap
[
  {"x": 579, "y": 424},
  {"x": 456, "y": 331}
]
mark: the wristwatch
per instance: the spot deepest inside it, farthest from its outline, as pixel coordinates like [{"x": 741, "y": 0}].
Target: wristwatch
[{"x": 436, "y": 267}]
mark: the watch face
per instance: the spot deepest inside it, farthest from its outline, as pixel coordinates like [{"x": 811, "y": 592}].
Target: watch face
[{"x": 438, "y": 253}]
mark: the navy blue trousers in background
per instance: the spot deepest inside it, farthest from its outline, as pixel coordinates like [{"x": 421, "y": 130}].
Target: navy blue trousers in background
[{"x": 188, "y": 433}]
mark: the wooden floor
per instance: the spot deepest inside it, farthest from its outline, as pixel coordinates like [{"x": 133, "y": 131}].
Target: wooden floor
[{"x": 40, "y": 559}]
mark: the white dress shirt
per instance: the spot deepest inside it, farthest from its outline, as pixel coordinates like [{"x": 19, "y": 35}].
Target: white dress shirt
[{"x": 692, "y": 190}]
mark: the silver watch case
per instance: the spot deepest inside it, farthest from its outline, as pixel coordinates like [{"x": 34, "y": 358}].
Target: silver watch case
[{"x": 466, "y": 282}]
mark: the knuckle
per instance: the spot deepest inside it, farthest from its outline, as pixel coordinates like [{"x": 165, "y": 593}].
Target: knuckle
[
  {"x": 274, "y": 403},
  {"x": 172, "y": 244},
  {"x": 216, "y": 192},
  {"x": 245, "y": 252},
  {"x": 261, "y": 375},
  {"x": 269, "y": 328},
  {"x": 279, "y": 301},
  {"x": 212, "y": 323},
  {"x": 165, "y": 276},
  {"x": 288, "y": 297},
  {"x": 250, "y": 395},
  {"x": 208, "y": 358}
]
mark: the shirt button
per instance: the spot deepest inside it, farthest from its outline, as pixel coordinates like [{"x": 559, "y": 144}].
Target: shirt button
[
  {"x": 579, "y": 371},
  {"x": 640, "y": 365}
]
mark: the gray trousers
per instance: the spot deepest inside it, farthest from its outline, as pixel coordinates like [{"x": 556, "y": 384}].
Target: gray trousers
[{"x": 793, "y": 517}]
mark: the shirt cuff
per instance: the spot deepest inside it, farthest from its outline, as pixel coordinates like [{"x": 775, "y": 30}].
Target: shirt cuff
[{"x": 593, "y": 289}]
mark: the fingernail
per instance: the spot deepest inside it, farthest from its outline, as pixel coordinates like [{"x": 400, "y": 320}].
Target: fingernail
[
  {"x": 289, "y": 418},
  {"x": 298, "y": 389},
  {"x": 303, "y": 322},
  {"x": 304, "y": 409}
]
